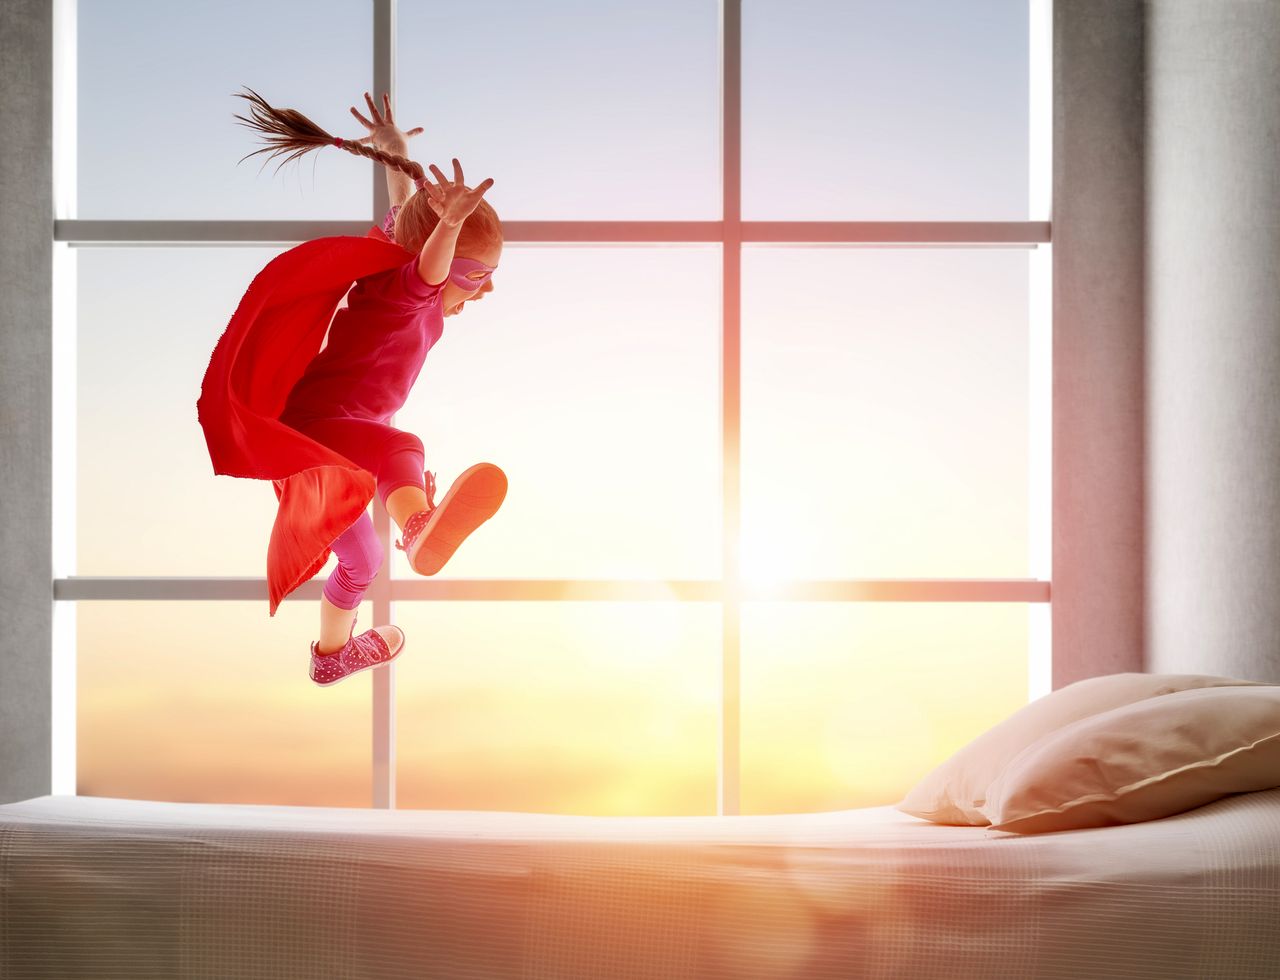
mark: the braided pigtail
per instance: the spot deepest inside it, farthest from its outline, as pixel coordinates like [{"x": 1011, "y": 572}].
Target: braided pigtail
[{"x": 289, "y": 131}]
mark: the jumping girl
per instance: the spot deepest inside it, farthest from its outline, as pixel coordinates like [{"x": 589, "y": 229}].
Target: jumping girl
[{"x": 315, "y": 422}]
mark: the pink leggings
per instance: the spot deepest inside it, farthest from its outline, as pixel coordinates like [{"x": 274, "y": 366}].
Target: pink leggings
[{"x": 395, "y": 459}]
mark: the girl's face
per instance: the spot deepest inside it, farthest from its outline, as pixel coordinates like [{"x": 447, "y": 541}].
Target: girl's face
[{"x": 453, "y": 298}]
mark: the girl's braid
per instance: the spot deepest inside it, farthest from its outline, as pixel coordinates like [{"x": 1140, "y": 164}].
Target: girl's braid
[
  {"x": 393, "y": 160},
  {"x": 288, "y": 130}
]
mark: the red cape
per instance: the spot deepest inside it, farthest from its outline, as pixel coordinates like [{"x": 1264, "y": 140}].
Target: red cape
[{"x": 278, "y": 327}]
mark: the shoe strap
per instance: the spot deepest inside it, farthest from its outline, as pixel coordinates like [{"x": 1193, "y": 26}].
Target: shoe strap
[
  {"x": 430, "y": 479},
  {"x": 412, "y": 527},
  {"x": 416, "y": 522}
]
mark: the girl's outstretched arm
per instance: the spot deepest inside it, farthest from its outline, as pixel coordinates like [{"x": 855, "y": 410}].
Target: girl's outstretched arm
[
  {"x": 399, "y": 186},
  {"x": 386, "y": 135},
  {"x": 453, "y": 203},
  {"x": 437, "y": 254}
]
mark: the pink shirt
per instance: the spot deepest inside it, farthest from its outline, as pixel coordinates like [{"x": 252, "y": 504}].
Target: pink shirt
[{"x": 375, "y": 350}]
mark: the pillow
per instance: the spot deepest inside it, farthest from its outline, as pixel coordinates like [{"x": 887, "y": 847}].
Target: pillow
[
  {"x": 1143, "y": 761},
  {"x": 955, "y": 791}
]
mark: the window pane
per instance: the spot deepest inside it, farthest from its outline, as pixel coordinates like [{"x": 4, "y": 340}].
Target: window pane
[
  {"x": 149, "y": 502},
  {"x": 157, "y": 137},
  {"x": 595, "y": 407},
  {"x": 866, "y": 110},
  {"x": 885, "y": 413},
  {"x": 591, "y": 376},
  {"x": 849, "y": 705},
  {"x": 595, "y": 708},
  {"x": 577, "y": 111},
  {"x": 210, "y": 702}
]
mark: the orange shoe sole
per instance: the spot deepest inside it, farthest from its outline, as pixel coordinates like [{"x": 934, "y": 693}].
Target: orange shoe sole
[{"x": 474, "y": 497}]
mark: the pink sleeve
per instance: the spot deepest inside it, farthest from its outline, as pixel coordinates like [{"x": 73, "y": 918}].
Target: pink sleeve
[
  {"x": 410, "y": 283},
  {"x": 389, "y": 222},
  {"x": 410, "y": 286}
]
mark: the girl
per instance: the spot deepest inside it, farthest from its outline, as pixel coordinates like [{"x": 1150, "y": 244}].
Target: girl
[{"x": 322, "y": 433}]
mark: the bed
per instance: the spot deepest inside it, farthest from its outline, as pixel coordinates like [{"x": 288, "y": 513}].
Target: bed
[{"x": 115, "y": 888}]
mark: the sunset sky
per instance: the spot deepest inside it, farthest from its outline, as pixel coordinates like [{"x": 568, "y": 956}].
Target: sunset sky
[{"x": 885, "y": 403}]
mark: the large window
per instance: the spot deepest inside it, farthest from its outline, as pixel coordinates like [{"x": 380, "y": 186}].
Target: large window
[{"x": 767, "y": 366}]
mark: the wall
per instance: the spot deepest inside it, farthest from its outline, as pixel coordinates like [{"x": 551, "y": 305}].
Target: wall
[
  {"x": 1098, "y": 344},
  {"x": 1213, "y": 364},
  {"x": 26, "y": 346}
]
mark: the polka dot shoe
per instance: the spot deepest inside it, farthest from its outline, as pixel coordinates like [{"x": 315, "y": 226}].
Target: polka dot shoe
[
  {"x": 369, "y": 649},
  {"x": 431, "y": 536}
]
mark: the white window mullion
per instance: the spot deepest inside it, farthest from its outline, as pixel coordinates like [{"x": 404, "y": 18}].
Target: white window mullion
[
  {"x": 1040, "y": 323},
  {"x": 63, "y": 451},
  {"x": 384, "y": 678},
  {"x": 728, "y": 794}
]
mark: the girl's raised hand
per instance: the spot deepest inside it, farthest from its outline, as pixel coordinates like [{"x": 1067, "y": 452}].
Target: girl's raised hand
[
  {"x": 383, "y": 131},
  {"x": 453, "y": 202}
]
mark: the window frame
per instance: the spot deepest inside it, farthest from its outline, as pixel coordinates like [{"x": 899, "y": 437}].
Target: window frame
[{"x": 731, "y": 233}]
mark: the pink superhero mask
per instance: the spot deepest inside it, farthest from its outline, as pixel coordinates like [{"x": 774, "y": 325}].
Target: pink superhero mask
[{"x": 461, "y": 268}]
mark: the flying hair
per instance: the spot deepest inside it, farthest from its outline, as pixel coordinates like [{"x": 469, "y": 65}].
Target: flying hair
[{"x": 287, "y": 131}]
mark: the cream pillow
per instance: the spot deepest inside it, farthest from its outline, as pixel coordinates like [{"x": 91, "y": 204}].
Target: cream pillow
[
  {"x": 1143, "y": 761},
  {"x": 955, "y": 792}
]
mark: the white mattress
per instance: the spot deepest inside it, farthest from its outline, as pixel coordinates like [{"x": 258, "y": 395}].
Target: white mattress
[{"x": 107, "y": 888}]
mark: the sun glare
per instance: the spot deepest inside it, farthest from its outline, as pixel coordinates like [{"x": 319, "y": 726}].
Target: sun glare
[{"x": 767, "y": 559}]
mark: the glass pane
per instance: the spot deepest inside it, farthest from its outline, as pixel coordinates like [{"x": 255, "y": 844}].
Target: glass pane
[
  {"x": 849, "y": 705},
  {"x": 600, "y": 400},
  {"x": 157, "y": 137},
  {"x": 210, "y": 702},
  {"x": 596, "y": 708},
  {"x": 149, "y": 502},
  {"x": 864, "y": 110},
  {"x": 885, "y": 413},
  {"x": 577, "y": 111}
]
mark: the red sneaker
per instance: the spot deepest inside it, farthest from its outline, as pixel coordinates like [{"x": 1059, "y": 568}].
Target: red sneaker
[
  {"x": 369, "y": 649},
  {"x": 431, "y": 536}
]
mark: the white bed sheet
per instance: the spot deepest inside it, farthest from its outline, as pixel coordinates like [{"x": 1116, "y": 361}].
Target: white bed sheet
[{"x": 107, "y": 888}]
